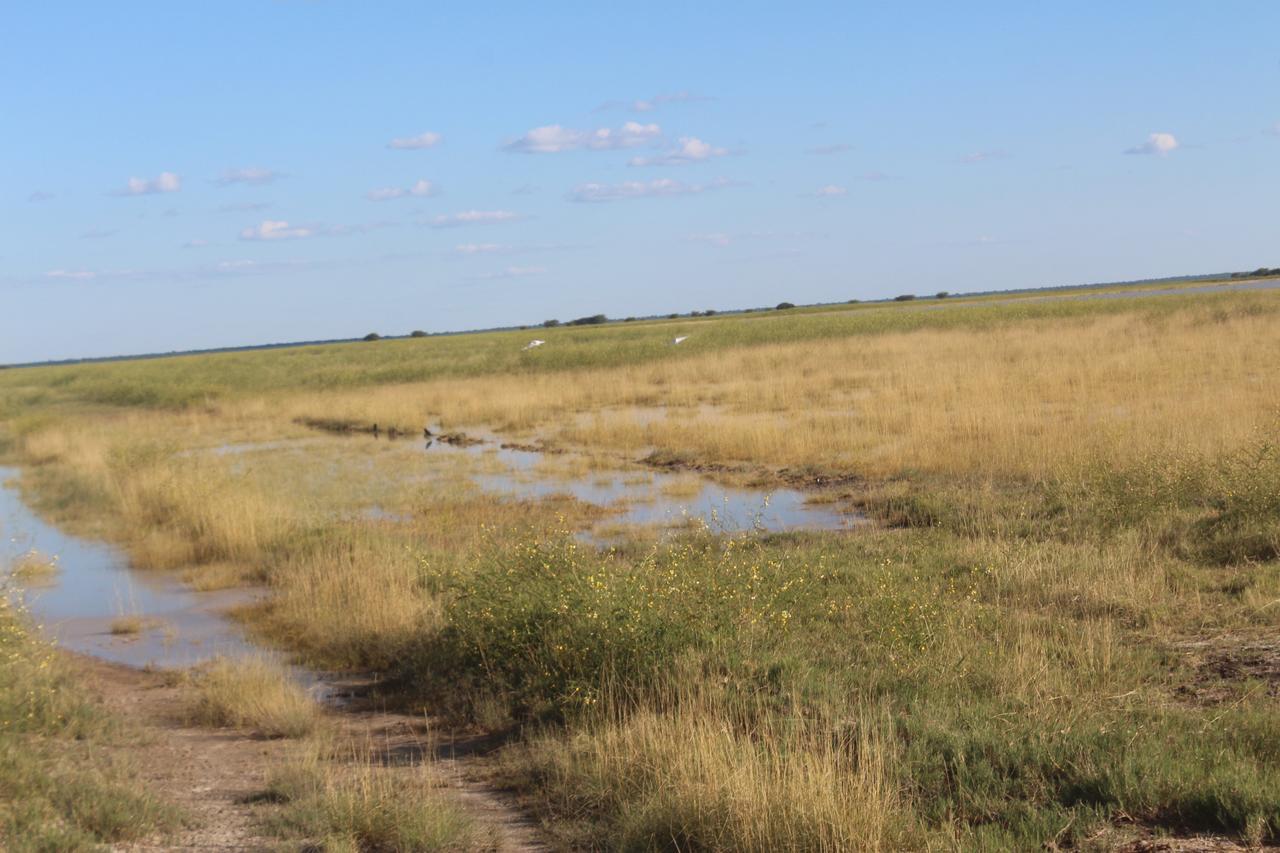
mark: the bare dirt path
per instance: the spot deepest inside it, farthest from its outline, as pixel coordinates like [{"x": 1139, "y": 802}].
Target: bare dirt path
[{"x": 214, "y": 775}]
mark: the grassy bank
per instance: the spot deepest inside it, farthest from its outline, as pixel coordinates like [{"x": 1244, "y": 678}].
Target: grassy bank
[
  {"x": 1061, "y": 630},
  {"x": 63, "y": 785}
]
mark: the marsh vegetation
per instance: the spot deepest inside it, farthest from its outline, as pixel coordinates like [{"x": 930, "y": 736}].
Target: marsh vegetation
[{"x": 1060, "y": 628}]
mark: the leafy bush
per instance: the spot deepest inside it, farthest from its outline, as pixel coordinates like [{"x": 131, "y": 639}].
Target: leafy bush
[
  {"x": 372, "y": 336},
  {"x": 783, "y": 306},
  {"x": 549, "y": 623}
]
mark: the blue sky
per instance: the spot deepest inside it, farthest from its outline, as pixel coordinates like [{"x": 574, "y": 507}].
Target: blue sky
[{"x": 183, "y": 175}]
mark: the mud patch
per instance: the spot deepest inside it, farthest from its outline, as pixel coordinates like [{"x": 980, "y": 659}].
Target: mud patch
[{"x": 1223, "y": 664}]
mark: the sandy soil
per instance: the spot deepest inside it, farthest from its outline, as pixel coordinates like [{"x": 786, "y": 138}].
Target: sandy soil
[{"x": 214, "y": 774}]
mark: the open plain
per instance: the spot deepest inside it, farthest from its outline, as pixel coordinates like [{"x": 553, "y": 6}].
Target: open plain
[{"x": 1020, "y": 588}]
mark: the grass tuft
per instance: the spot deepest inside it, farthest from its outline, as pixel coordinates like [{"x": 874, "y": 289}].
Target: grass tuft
[{"x": 252, "y": 694}]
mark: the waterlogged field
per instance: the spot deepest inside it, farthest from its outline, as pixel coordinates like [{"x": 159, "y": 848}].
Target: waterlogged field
[{"x": 1059, "y": 627}]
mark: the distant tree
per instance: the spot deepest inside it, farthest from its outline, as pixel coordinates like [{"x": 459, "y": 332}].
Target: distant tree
[
  {"x": 673, "y": 316},
  {"x": 853, "y": 301},
  {"x": 372, "y": 336},
  {"x": 417, "y": 333},
  {"x": 941, "y": 294},
  {"x": 550, "y": 324},
  {"x": 629, "y": 320},
  {"x": 783, "y": 306},
  {"x": 593, "y": 320},
  {"x": 906, "y": 297},
  {"x": 710, "y": 312}
]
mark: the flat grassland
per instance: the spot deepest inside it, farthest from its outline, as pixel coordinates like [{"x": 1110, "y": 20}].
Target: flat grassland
[{"x": 1061, "y": 628}]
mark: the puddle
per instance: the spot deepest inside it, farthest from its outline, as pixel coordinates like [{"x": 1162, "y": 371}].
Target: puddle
[
  {"x": 650, "y": 498},
  {"x": 93, "y": 586}
]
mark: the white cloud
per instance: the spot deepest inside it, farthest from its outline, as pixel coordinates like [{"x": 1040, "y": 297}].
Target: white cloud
[
  {"x": 877, "y": 176},
  {"x": 276, "y": 229},
  {"x": 165, "y": 182},
  {"x": 195, "y": 244},
  {"x": 419, "y": 189},
  {"x": 252, "y": 176},
  {"x": 661, "y": 187},
  {"x": 718, "y": 239},
  {"x": 479, "y": 248},
  {"x": 835, "y": 148},
  {"x": 97, "y": 233},
  {"x": 554, "y": 138},
  {"x": 474, "y": 217},
  {"x": 71, "y": 275},
  {"x": 645, "y": 105},
  {"x": 690, "y": 150},
  {"x": 831, "y": 191},
  {"x": 39, "y": 195},
  {"x": 985, "y": 156},
  {"x": 429, "y": 139},
  {"x": 1157, "y": 143}
]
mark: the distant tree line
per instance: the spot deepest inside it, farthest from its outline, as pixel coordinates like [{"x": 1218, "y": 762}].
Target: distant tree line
[{"x": 1260, "y": 272}]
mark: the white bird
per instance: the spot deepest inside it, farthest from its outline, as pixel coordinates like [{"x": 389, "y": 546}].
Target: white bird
[
  {"x": 681, "y": 339},
  {"x": 534, "y": 343}
]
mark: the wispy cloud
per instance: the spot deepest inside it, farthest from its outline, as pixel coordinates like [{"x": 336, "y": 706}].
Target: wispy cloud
[
  {"x": 660, "y": 188},
  {"x": 427, "y": 139},
  {"x": 834, "y": 148},
  {"x": 165, "y": 182},
  {"x": 276, "y": 229},
  {"x": 195, "y": 244},
  {"x": 644, "y": 105},
  {"x": 40, "y": 195},
  {"x": 878, "y": 176},
  {"x": 689, "y": 150},
  {"x": 722, "y": 240},
  {"x": 717, "y": 238},
  {"x": 474, "y": 217},
  {"x": 510, "y": 272},
  {"x": 71, "y": 275},
  {"x": 555, "y": 139},
  {"x": 985, "y": 156},
  {"x": 1157, "y": 143},
  {"x": 97, "y": 233},
  {"x": 480, "y": 248},
  {"x": 831, "y": 191},
  {"x": 252, "y": 176},
  {"x": 221, "y": 269},
  {"x": 419, "y": 189}
]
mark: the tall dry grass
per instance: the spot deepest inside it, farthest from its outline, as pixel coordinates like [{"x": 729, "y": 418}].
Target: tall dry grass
[
  {"x": 1023, "y": 399},
  {"x": 252, "y": 694},
  {"x": 697, "y": 778}
]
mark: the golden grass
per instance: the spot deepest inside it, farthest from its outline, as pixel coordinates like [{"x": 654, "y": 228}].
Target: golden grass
[
  {"x": 252, "y": 694},
  {"x": 1024, "y": 399},
  {"x": 696, "y": 778}
]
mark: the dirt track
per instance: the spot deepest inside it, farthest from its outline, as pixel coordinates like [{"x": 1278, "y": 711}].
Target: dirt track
[{"x": 214, "y": 775}]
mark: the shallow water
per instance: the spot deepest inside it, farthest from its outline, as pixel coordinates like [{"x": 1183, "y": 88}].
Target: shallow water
[
  {"x": 94, "y": 585},
  {"x": 653, "y": 498}
]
